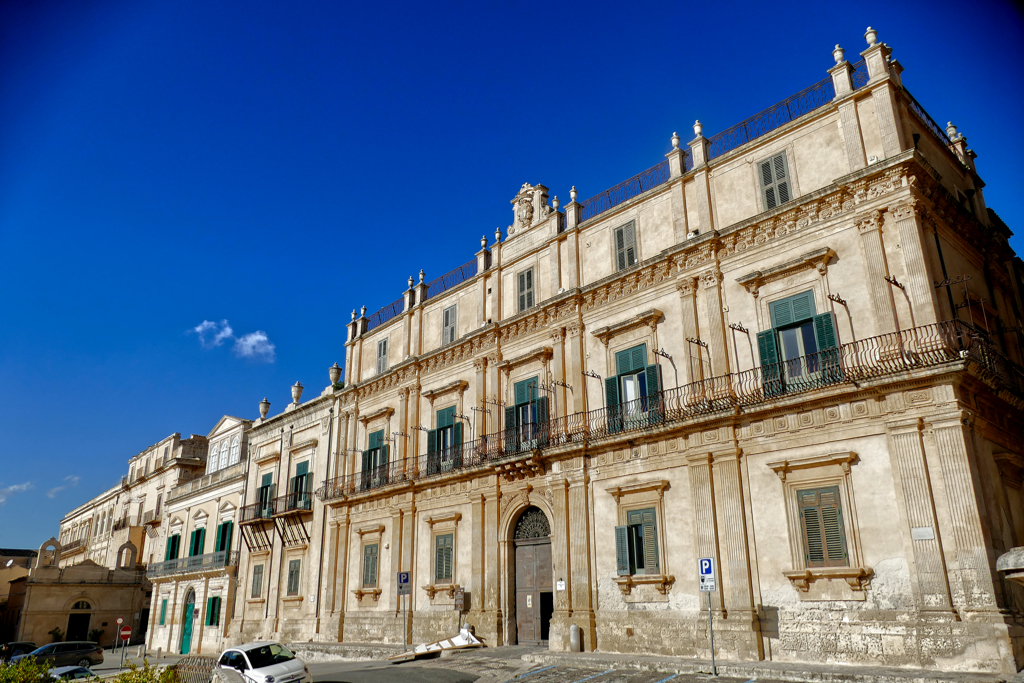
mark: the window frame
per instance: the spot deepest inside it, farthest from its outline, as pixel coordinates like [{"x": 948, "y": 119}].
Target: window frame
[
  {"x": 375, "y": 544},
  {"x": 798, "y": 311},
  {"x": 449, "y": 324},
  {"x": 632, "y": 499},
  {"x": 163, "y": 612},
  {"x": 786, "y": 180},
  {"x": 526, "y": 298},
  {"x": 294, "y": 565},
  {"x": 450, "y": 579},
  {"x": 256, "y": 589},
  {"x": 620, "y": 255},
  {"x": 382, "y": 356}
]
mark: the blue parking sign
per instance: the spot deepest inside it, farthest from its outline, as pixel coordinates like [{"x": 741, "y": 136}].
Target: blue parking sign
[
  {"x": 706, "y": 574},
  {"x": 404, "y": 584}
]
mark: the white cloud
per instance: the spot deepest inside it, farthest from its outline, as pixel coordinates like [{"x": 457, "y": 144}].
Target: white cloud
[
  {"x": 213, "y": 334},
  {"x": 255, "y": 345},
  {"x": 17, "y": 488},
  {"x": 71, "y": 480}
]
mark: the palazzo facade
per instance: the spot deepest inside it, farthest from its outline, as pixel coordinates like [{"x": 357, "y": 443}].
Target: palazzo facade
[{"x": 792, "y": 348}]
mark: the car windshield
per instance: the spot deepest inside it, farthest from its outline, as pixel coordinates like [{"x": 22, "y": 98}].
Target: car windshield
[
  {"x": 45, "y": 649},
  {"x": 266, "y": 655}
]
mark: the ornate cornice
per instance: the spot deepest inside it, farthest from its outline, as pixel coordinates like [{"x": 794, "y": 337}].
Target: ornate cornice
[
  {"x": 542, "y": 354},
  {"x": 459, "y": 385},
  {"x": 649, "y": 318},
  {"x": 817, "y": 259},
  {"x": 843, "y": 458},
  {"x": 385, "y": 412}
]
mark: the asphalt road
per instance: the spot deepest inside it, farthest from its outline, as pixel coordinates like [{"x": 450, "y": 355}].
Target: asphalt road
[{"x": 383, "y": 672}]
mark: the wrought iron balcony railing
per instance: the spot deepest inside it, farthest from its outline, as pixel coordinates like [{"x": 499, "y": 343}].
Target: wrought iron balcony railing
[
  {"x": 120, "y": 524},
  {"x": 196, "y": 563},
  {"x": 257, "y": 512},
  {"x": 151, "y": 517},
  {"x": 74, "y": 546},
  {"x": 855, "y": 362},
  {"x": 297, "y": 501}
]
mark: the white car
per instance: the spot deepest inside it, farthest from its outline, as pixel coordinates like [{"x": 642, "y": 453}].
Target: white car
[{"x": 264, "y": 662}]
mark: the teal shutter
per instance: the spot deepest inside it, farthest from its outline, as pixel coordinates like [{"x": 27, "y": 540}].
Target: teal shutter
[
  {"x": 163, "y": 612},
  {"x": 209, "y": 611},
  {"x": 650, "y": 534},
  {"x": 384, "y": 453},
  {"x": 267, "y": 480},
  {"x": 192, "y": 543},
  {"x": 623, "y": 362},
  {"x": 433, "y": 453},
  {"x": 655, "y": 401},
  {"x": 366, "y": 461},
  {"x": 653, "y": 375},
  {"x": 370, "y": 565},
  {"x": 792, "y": 309},
  {"x": 525, "y": 391},
  {"x": 432, "y": 445},
  {"x": 216, "y": 540},
  {"x": 611, "y": 395},
  {"x": 444, "y": 546},
  {"x": 821, "y": 517},
  {"x": 829, "y": 351},
  {"x": 543, "y": 425},
  {"x": 623, "y": 558},
  {"x": 226, "y": 538},
  {"x": 771, "y": 368},
  {"x": 457, "y": 433},
  {"x": 510, "y": 430},
  {"x": 200, "y": 541},
  {"x": 510, "y": 418},
  {"x": 825, "y": 331},
  {"x": 630, "y": 360}
]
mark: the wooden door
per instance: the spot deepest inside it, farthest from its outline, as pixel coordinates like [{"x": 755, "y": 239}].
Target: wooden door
[{"x": 533, "y": 577}]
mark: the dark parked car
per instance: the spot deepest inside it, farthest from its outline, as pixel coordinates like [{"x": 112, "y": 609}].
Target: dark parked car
[
  {"x": 70, "y": 673},
  {"x": 74, "y": 653},
  {"x": 8, "y": 650}
]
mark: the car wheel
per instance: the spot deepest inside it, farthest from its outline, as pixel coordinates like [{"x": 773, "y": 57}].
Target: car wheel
[{"x": 84, "y": 663}]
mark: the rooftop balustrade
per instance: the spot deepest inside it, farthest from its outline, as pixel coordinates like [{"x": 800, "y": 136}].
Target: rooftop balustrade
[{"x": 886, "y": 355}]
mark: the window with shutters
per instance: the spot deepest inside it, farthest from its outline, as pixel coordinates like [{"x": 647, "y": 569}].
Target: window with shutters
[
  {"x": 197, "y": 542},
  {"x": 444, "y": 558},
  {"x": 525, "y": 289},
  {"x": 265, "y": 495},
  {"x": 257, "y": 581},
  {"x": 382, "y": 356},
  {"x": 370, "y": 565},
  {"x": 173, "y": 547},
  {"x": 776, "y": 185},
  {"x": 294, "y": 566},
  {"x": 639, "y": 539},
  {"x": 636, "y": 543},
  {"x": 625, "y": 246},
  {"x": 526, "y": 421},
  {"x": 163, "y": 611},
  {"x": 222, "y": 543},
  {"x": 213, "y": 611},
  {"x": 821, "y": 518},
  {"x": 375, "y": 461},
  {"x": 801, "y": 348},
  {"x": 633, "y": 393},
  {"x": 448, "y": 320},
  {"x": 444, "y": 442},
  {"x": 300, "y": 488}
]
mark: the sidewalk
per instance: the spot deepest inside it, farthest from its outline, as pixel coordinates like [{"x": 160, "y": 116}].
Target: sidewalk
[{"x": 780, "y": 671}]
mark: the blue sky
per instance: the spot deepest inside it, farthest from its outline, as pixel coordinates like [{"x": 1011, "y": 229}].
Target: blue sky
[{"x": 275, "y": 165}]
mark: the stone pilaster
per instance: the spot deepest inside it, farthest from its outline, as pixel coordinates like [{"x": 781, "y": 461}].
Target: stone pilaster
[
  {"x": 401, "y": 442},
  {"x": 480, "y": 368},
  {"x": 705, "y": 524},
  {"x": 917, "y": 506},
  {"x": 853, "y": 142},
  {"x": 340, "y": 602},
  {"x": 711, "y": 283},
  {"x": 558, "y": 372},
  {"x": 571, "y": 276},
  {"x": 493, "y": 373},
  {"x": 677, "y": 168},
  {"x": 578, "y": 400},
  {"x": 919, "y": 277},
  {"x": 884, "y": 95},
  {"x": 870, "y": 229},
  {"x": 687, "y": 287},
  {"x": 581, "y": 579}
]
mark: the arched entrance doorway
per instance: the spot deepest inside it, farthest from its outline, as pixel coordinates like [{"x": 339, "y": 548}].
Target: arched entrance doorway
[
  {"x": 78, "y": 621},
  {"x": 534, "y": 597},
  {"x": 186, "y": 622}
]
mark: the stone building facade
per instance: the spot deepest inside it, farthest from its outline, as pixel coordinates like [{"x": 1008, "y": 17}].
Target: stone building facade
[
  {"x": 194, "y": 577},
  {"x": 792, "y": 348}
]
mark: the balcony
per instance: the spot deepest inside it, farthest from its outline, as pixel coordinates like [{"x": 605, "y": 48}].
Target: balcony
[
  {"x": 152, "y": 518},
  {"x": 513, "y": 452},
  {"x": 257, "y": 512},
  {"x": 196, "y": 563},
  {"x": 236, "y": 471},
  {"x": 293, "y": 503},
  {"x": 120, "y": 524},
  {"x": 73, "y": 547}
]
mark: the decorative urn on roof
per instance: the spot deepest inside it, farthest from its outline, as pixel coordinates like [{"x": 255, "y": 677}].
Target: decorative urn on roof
[
  {"x": 335, "y": 371},
  {"x": 296, "y": 392},
  {"x": 264, "y": 407}
]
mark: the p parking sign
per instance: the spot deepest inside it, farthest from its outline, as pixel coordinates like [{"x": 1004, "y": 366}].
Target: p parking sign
[
  {"x": 706, "y": 575},
  {"x": 404, "y": 585}
]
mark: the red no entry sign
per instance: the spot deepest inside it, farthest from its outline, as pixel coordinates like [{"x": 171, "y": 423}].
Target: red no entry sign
[{"x": 126, "y": 632}]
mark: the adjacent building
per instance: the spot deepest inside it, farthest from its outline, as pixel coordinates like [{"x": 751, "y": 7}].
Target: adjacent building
[{"x": 791, "y": 349}]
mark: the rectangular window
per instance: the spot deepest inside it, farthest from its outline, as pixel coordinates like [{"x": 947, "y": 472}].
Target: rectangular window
[
  {"x": 382, "y": 356},
  {"x": 257, "y": 581},
  {"x": 774, "y": 176},
  {"x": 636, "y": 544},
  {"x": 293, "y": 576},
  {"x": 821, "y": 521},
  {"x": 526, "y": 422},
  {"x": 448, "y": 325},
  {"x": 173, "y": 546},
  {"x": 223, "y": 540},
  {"x": 163, "y": 611},
  {"x": 444, "y": 442},
  {"x": 375, "y": 460},
  {"x": 265, "y": 495},
  {"x": 625, "y": 246},
  {"x": 301, "y": 488},
  {"x": 444, "y": 547},
  {"x": 197, "y": 542},
  {"x": 633, "y": 394},
  {"x": 370, "y": 565},
  {"x": 213, "y": 611},
  {"x": 526, "y": 290},
  {"x": 801, "y": 348}
]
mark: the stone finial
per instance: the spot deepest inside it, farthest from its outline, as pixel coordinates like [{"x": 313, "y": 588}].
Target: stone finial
[
  {"x": 362, "y": 311},
  {"x": 838, "y": 54},
  {"x": 411, "y": 281},
  {"x": 951, "y": 131},
  {"x": 871, "y": 35},
  {"x": 265, "y": 406},
  {"x": 334, "y": 372},
  {"x": 296, "y": 392},
  {"x": 497, "y": 234},
  {"x": 353, "y": 314},
  {"x": 675, "y": 140},
  {"x": 572, "y": 194},
  {"x": 555, "y": 203},
  {"x": 698, "y": 128},
  {"x": 422, "y": 276},
  {"x": 483, "y": 243}
]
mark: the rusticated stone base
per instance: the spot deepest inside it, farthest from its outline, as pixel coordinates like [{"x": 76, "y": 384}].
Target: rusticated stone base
[
  {"x": 561, "y": 622},
  {"x": 372, "y": 627},
  {"x": 678, "y": 633},
  {"x": 487, "y": 626}
]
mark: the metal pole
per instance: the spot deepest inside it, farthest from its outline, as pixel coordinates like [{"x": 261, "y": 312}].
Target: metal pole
[
  {"x": 405, "y": 626},
  {"x": 711, "y": 630}
]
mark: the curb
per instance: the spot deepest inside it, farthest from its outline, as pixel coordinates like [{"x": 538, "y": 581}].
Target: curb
[
  {"x": 340, "y": 652},
  {"x": 780, "y": 671}
]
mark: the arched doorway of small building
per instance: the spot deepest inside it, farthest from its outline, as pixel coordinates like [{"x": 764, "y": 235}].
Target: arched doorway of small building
[
  {"x": 78, "y": 621},
  {"x": 534, "y": 596},
  {"x": 186, "y": 622}
]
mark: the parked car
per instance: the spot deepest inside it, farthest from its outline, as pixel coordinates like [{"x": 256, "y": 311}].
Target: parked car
[
  {"x": 265, "y": 662},
  {"x": 73, "y": 653},
  {"x": 8, "y": 650},
  {"x": 70, "y": 673}
]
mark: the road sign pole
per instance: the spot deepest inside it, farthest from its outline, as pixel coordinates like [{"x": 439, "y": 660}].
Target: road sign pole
[{"x": 711, "y": 631}]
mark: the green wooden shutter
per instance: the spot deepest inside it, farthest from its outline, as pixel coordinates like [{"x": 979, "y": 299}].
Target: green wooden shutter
[
  {"x": 370, "y": 565},
  {"x": 200, "y": 541},
  {"x": 623, "y": 558},
  {"x": 216, "y": 611},
  {"x": 829, "y": 351},
  {"x": 650, "y": 533},
  {"x": 268, "y": 479},
  {"x": 226, "y": 538},
  {"x": 825, "y": 331},
  {"x": 510, "y": 418},
  {"x": 542, "y": 422},
  {"x": 792, "y": 309},
  {"x": 457, "y": 433},
  {"x": 443, "y": 558},
  {"x": 209, "y": 611},
  {"x": 611, "y": 394},
  {"x": 385, "y": 452},
  {"x": 821, "y": 516},
  {"x": 167, "y": 550},
  {"x": 163, "y": 612},
  {"x": 192, "y": 543},
  {"x": 771, "y": 368},
  {"x": 525, "y": 391},
  {"x": 653, "y": 378},
  {"x": 302, "y": 468},
  {"x": 216, "y": 539}
]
